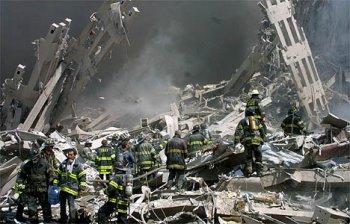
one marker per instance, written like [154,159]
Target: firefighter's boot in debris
[248,169]
[259,167]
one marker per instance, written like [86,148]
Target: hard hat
[196,127]
[49,142]
[104,142]
[204,126]
[88,144]
[255,92]
[178,133]
[293,110]
[33,153]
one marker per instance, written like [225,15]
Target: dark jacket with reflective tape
[104,159]
[36,176]
[71,182]
[145,155]
[176,152]
[254,106]
[293,124]
[249,137]
[116,193]
[195,142]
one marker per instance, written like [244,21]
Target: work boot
[248,169]
[259,167]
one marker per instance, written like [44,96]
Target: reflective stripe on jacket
[104,160]
[253,105]
[248,137]
[195,142]
[71,182]
[176,152]
[294,125]
[145,156]
[116,193]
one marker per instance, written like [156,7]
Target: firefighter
[250,132]
[145,154]
[176,153]
[118,191]
[125,157]
[49,155]
[71,180]
[104,160]
[253,104]
[87,153]
[206,133]
[195,141]
[293,124]
[33,181]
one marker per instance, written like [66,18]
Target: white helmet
[255,92]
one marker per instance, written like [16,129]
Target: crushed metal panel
[335,121]
[298,57]
[325,215]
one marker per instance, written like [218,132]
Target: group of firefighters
[114,162]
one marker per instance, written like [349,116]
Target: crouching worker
[71,180]
[118,191]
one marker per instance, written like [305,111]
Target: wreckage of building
[307,177]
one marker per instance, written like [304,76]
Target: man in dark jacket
[176,152]
[33,180]
[195,141]
[71,179]
[250,133]
[104,160]
[145,155]
[117,201]
[293,124]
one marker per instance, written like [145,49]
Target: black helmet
[249,112]
[293,110]
[204,126]
[104,142]
[196,127]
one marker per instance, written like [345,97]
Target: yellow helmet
[255,92]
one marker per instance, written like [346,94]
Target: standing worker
[250,132]
[71,180]
[176,153]
[253,105]
[145,155]
[104,160]
[293,124]
[206,133]
[195,141]
[33,180]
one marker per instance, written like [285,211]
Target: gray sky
[215,35]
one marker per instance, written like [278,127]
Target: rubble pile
[305,177]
